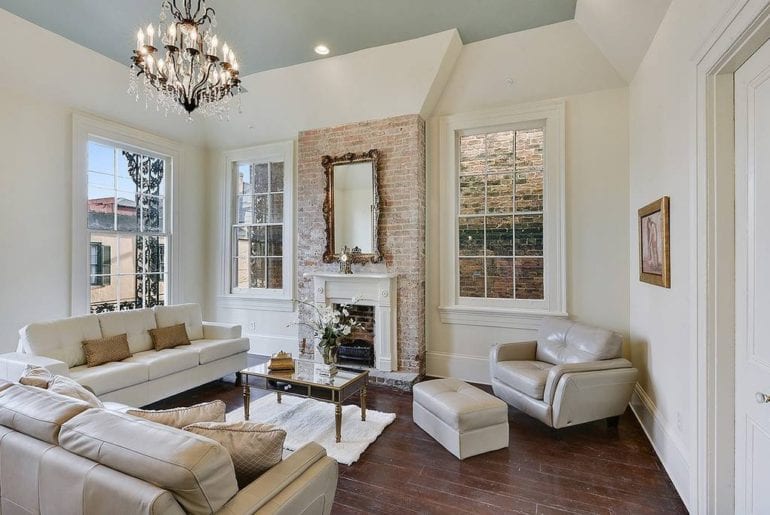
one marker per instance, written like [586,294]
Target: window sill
[495,317]
[255,303]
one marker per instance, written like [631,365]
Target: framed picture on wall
[654,254]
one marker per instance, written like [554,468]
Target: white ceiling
[268,34]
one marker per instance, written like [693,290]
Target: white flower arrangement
[328,325]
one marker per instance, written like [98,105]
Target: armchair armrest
[516,351]
[303,478]
[13,364]
[219,331]
[556,373]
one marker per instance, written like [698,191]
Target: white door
[752,284]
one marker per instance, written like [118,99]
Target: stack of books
[281,361]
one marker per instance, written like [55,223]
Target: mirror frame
[329,163]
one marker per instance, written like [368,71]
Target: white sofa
[148,375]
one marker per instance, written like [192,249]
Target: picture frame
[654,243]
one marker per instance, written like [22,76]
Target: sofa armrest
[516,351]
[13,364]
[219,331]
[308,475]
[556,373]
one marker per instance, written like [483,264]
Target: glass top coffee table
[334,390]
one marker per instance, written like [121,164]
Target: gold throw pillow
[168,337]
[254,447]
[213,411]
[104,350]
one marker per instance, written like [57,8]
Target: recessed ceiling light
[322,50]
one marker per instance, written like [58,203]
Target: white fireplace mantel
[378,290]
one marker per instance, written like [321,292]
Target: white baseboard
[474,369]
[266,345]
[668,447]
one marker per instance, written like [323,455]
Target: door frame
[744,28]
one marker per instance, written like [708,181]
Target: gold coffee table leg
[338,420]
[246,399]
[363,403]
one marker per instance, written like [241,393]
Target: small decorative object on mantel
[329,325]
[281,361]
[654,243]
[346,261]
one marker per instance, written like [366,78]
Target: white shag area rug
[308,420]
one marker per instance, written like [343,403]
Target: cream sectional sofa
[148,375]
[59,455]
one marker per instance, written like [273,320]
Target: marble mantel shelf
[365,275]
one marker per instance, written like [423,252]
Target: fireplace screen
[358,347]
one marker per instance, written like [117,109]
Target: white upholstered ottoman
[462,418]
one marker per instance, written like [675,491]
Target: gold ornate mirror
[352,207]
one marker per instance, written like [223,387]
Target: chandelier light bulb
[214,44]
[172,31]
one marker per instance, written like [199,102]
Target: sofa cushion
[255,448]
[61,339]
[528,377]
[187,314]
[212,350]
[561,341]
[213,411]
[71,388]
[461,406]
[169,337]
[196,470]
[36,412]
[165,362]
[111,376]
[104,350]
[135,323]
[36,376]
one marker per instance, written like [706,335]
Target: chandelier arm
[171,6]
[202,82]
[197,9]
[207,16]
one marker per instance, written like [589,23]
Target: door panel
[752,283]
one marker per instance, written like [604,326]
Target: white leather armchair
[571,374]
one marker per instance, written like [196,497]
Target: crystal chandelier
[190,71]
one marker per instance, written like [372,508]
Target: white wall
[557,61]
[662,160]
[36,106]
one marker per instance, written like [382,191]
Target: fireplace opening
[357,349]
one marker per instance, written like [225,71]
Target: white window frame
[514,313]
[258,298]
[87,127]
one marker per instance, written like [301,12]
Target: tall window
[501,177]
[500,214]
[257,230]
[127,227]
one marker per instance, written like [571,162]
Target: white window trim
[498,312]
[258,299]
[84,127]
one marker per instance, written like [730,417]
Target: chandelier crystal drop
[180,66]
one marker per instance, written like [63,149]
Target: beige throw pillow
[71,388]
[104,350]
[213,411]
[37,376]
[168,337]
[254,447]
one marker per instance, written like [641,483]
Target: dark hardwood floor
[584,469]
